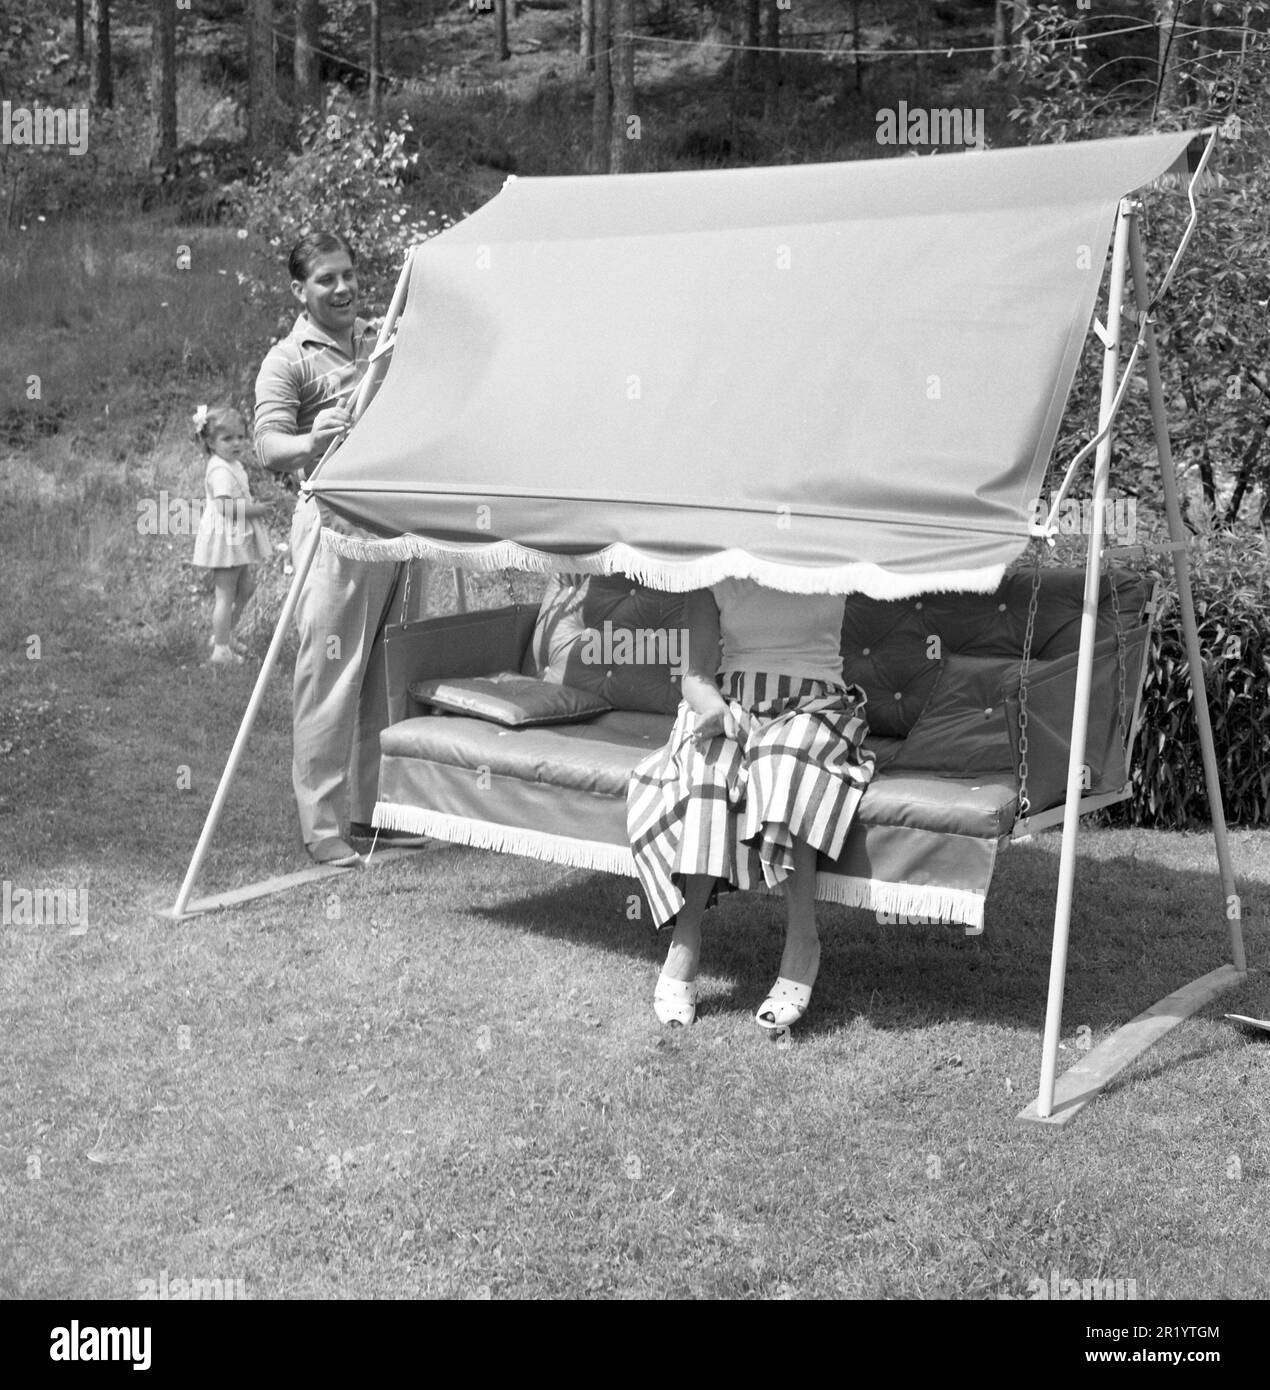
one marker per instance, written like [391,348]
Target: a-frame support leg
[303,564]
[1060,1099]
[1186,606]
[1084,672]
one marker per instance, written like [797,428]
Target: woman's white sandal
[675,1001]
[785,1005]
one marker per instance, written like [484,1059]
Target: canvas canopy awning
[830,378]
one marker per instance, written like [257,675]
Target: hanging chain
[1025,803]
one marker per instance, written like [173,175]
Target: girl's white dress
[225,543]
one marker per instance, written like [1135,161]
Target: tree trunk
[103,88]
[1002,36]
[1194,50]
[309,94]
[1208,483]
[921,35]
[502,50]
[734,102]
[602,107]
[586,33]
[625,122]
[261,92]
[855,45]
[1007,23]
[771,60]
[376,64]
[1175,49]
[162,84]
[753,35]
[1247,471]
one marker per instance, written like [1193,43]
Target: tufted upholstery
[887,650]
[887,647]
[576,619]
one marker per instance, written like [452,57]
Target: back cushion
[962,731]
[893,650]
[620,640]
[1051,694]
[612,637]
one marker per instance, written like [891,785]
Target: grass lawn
[442,1076]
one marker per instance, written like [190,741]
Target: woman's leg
[685,944]
[801,958]
[223,607]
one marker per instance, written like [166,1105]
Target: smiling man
[304,392]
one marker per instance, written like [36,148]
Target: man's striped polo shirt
[304,374]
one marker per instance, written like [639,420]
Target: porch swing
[558,403]
[971,748]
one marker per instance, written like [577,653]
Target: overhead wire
[871,54]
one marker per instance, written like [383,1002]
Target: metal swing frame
[1059,1098]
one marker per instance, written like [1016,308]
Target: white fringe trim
[536,844]
[676,577]
[900,899]
[927,901]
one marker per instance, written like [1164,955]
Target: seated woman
[764,768]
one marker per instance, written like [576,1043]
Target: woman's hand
[718,721]
[713,714]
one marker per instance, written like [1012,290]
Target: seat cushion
[597,756]
[982,807]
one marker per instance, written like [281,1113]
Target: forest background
[146,274]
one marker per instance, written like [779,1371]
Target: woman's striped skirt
[732,808]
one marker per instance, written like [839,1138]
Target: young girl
[231,536]
[764,769]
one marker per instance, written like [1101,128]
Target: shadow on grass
[1140,929]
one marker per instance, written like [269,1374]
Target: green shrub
[1213,329]
[348,177]
[1230,578]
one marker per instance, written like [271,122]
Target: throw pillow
[510,699]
